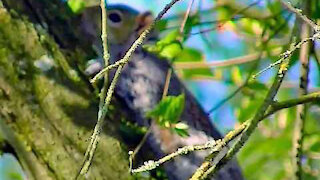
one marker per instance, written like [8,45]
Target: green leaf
[169,38]
[171,51]
[274,7]
[76,5]
[161,25]
[191,21]
[168,110]
[168,47]
[193,55]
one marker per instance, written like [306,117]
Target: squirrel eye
[115,17]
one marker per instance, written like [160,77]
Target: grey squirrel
[141,85]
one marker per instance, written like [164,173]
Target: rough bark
[46,115]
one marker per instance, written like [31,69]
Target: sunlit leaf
[168,112]
[171,51]
[181,125]
[168,47]
[181,129]
[169,38]
[76,5]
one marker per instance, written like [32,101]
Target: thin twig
[88,157]
[106,55]
[98,127]
[299,14]
[186,16]
[167,83]
[180,38]
[205,166]
[298,133]
[224,63]
[213,145]
[276,106]
[259,56]
[288,53]
[141,143]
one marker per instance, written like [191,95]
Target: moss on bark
[46,110]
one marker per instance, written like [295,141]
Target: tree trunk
[47,110]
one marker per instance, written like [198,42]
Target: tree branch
[252,124]
[214,146]
[299,14]
[298,132]
[224,63]
[313,97]
[106,55]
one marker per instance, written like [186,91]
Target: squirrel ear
[144,20]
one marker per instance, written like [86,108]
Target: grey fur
[140,88]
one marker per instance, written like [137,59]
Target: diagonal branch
[209,169]
[204,172]
[214,146]
[299,14]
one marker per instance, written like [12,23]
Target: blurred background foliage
[224,43]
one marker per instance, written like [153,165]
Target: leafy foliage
[168,47]
[171,49]
[167,114]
